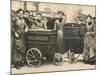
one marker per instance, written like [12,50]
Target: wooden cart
[39,44]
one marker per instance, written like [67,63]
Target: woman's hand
[26,29]
[16,35]
[90,33]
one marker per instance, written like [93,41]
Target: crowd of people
[22,21]
[38,20]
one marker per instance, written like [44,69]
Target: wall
[71,11]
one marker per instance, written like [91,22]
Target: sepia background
[5,37]
[71,11]
[48,9]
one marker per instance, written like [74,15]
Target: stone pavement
[48,67]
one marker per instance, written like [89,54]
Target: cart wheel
[33,57]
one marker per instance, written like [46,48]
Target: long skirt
[19,50]
[89,48]
[60,41]
[12,49]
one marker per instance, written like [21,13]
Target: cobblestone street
[48,67]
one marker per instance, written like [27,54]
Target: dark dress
[50,23]
[12,38]
[19,42]
[28,22]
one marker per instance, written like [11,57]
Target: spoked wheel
[33,57]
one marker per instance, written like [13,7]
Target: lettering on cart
[38,38]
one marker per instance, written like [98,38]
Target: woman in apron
[19,40]
[12,36]
[89,52]
[59,23]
